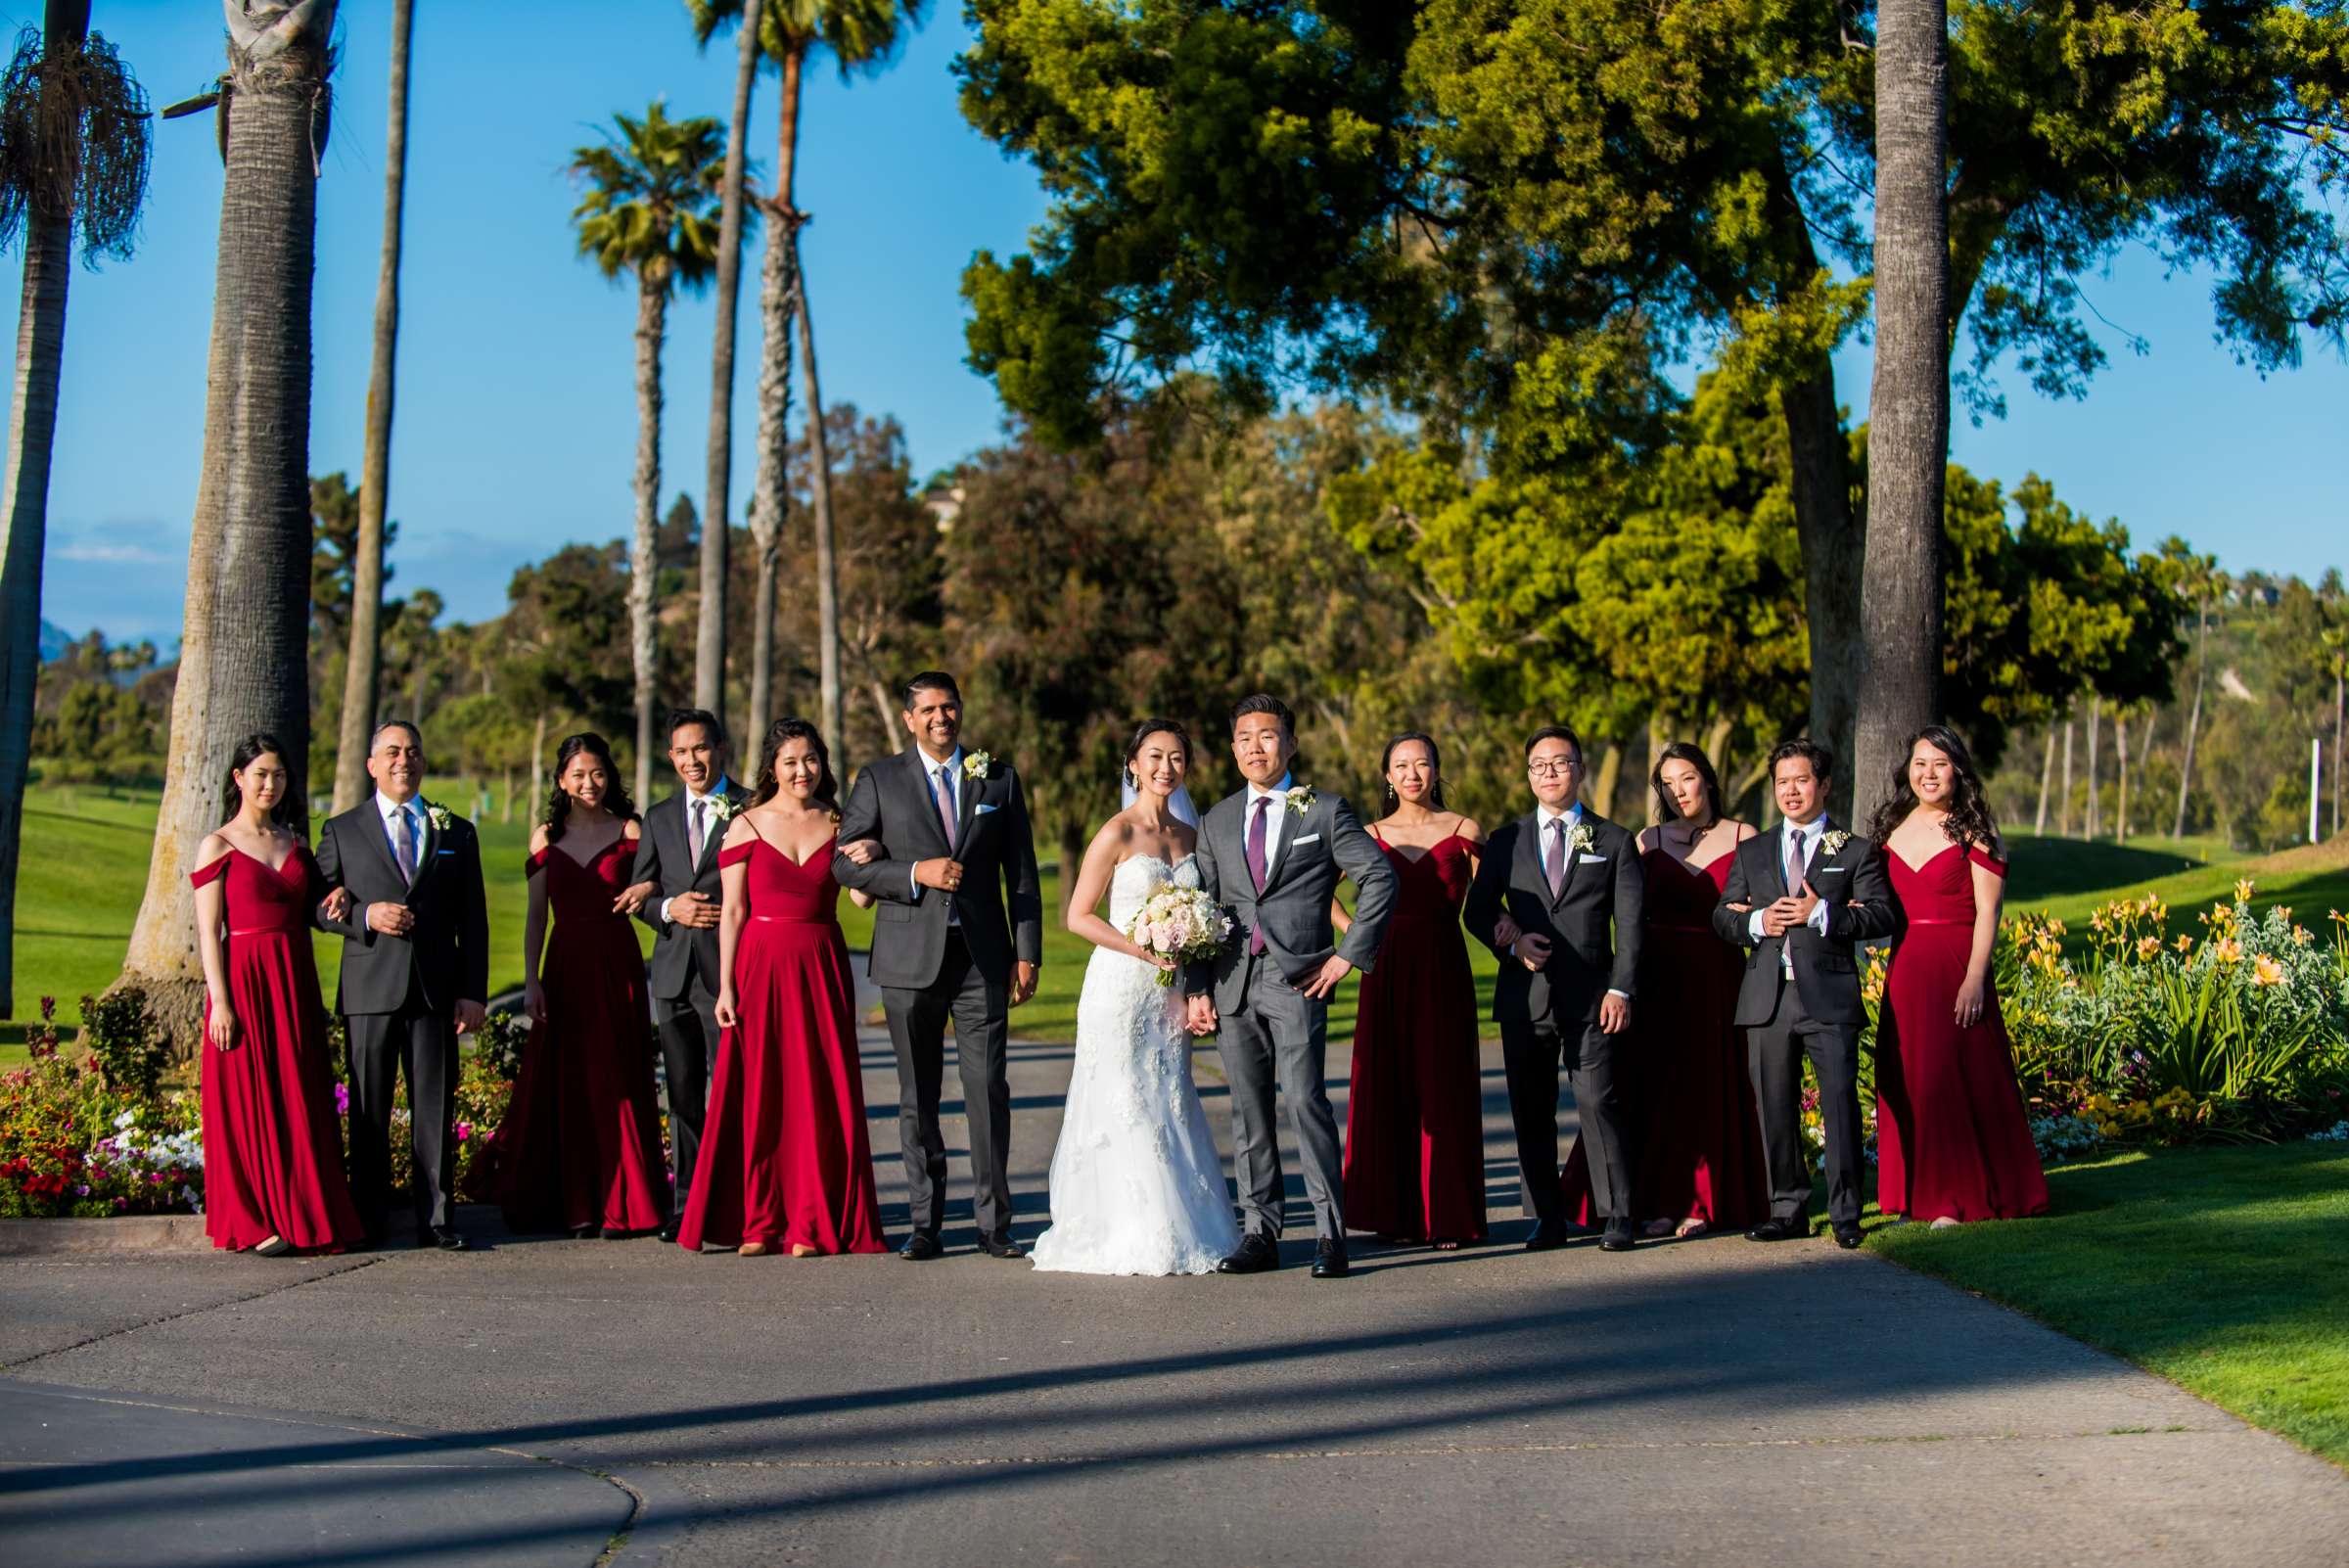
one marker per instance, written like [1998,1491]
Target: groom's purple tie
[1255,867]
[1553,864]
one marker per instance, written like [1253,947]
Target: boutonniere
[975,764]
[1833,838]
[440,816]
[1580,838]
[723,807]
[1300,798]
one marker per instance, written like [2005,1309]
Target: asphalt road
[547,1401]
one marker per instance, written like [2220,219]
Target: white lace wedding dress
[1138,1187]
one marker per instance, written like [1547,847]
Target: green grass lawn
[2219,1269]
[2069,880]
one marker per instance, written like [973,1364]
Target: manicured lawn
[2061,877]
[2219,1269]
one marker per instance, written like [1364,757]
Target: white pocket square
[981,808]
[1832,871]
[1590,859]
[1307,838]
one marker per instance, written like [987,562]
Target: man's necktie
[946,803]
[1553,864]
[1794,862]
[405,841]
[693,834]
[1256,866]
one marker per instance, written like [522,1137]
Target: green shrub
[124,1042]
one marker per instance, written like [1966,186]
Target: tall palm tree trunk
[710,639]
[2047,772]
[25,529]
[819,488]
[243,655]
[2120,763]
[2194,718]
[1909,409]
[363,671]
[2063,808]
[2096,728]
[1832,533]
[652,323]
[778,308]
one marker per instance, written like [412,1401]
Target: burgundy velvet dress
[1953,1137]
[1697,1148]
[786,1159]
[1415,1112]
[580,1144]
[272,1143]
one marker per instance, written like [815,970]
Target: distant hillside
[53,640]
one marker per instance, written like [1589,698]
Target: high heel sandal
[801,1249]
[271,1246]
[753,1249]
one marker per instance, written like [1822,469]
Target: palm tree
[73,157]
[648,212]
[861,35]
[2202,581]
[243,664]
[1909,409]
[363,671]
[709,640]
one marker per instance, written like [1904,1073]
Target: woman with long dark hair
[786,1162]
[1953,1138]
[1697,1162]
[272,1152]
[1415,1110]
[579,1149]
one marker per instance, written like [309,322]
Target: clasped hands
[1784,914]
[1532,950]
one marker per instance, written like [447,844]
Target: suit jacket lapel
[370,824]
[966,808]
[1529,856]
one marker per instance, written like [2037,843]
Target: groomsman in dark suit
[1557,898]
[956,846]
[679,856]
[415,975]
[1802,900]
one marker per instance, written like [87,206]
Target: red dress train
[786,1159]
[1415,1110]
[272,1142]
[1953,1137]
[580,1144]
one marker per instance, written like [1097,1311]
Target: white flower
[1300,798]
[440,816]
[1834,840]
[128,1118]
[976,764]
[723,807]
[1581,839]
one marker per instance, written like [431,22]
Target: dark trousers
[1775,1053]
[421,1041]
[688,1042]
[1533,1052]
[1280,1034]
[917,1029]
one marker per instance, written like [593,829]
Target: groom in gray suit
[1273,854]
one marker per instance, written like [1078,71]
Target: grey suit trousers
[1775,1054]
[1280,1034]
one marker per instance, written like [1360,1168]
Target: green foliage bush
[128,1048]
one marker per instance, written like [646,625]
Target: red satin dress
[786,1159]
[1415,1112]
[1953,1137]
[272,1142]
[580,1144]
[1697,1148]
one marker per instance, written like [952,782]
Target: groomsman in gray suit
[1271,854]
[678,854]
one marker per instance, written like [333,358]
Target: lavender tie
[693,835]
[1553,864]
[406,842]
[1255,867]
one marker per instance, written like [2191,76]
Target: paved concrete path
[1709,1401]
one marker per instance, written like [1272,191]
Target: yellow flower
[2185,943]
[2229,950]
[2148,947]
[2302,936]
[2242,890]
[2267,971]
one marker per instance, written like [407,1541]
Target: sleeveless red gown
[272,1143]
[1697,1148]
[786,1159]
[1415,1113]
[580,1144]
[1953,1137]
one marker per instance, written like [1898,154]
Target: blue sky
[516,421]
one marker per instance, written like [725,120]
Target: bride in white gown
[1138,1186]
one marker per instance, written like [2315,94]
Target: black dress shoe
[921,1247]
[1001,1247]
[583,1232]
[1547,1234]
[671,1231]
[1256,1254]
[1848,1235]
[1775,1228]
[1329,1259]
[1618,1238]
[449,1240]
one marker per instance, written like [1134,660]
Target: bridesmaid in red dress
[272,1146]
[579,1149]
[1953,1138]
[1697,1159]
[786,1163]
[1415,1112]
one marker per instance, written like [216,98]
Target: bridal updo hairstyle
[1142,732]
[1668,810]
[781,733]
[1968,822]
[286,814]
[616,791]
[1435,760]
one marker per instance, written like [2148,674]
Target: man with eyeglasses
[1557,898]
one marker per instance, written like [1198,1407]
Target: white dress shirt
[710,824]
[420,827]
[1572,817]
[1808,834]
[956,784]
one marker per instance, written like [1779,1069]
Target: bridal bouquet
[1184,924]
